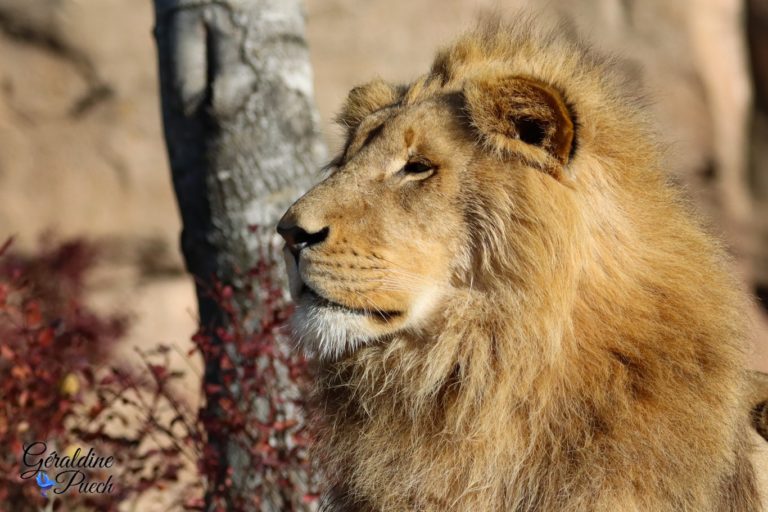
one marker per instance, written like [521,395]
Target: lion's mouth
[324,302]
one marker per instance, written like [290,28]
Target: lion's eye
[417,167]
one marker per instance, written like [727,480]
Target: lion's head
[441,186]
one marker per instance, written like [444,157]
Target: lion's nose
[297,238]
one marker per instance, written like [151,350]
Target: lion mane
[591,354]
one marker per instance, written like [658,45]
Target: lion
[508,306]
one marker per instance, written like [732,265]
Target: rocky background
[82,155]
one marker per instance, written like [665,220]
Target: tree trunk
[242,136]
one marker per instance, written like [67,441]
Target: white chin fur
[322,332]
[326,333]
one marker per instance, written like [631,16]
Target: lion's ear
[524,116]
[366,99]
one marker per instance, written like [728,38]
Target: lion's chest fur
[563,442]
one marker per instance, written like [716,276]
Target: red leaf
[32,316]
[283,425]
[200,337]
[226,363]
[20,372]
[159,371]
[213,389]
[45,337]
[6,352]
[310,498]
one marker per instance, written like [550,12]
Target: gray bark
[242,136]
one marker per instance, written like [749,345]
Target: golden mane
[593,358]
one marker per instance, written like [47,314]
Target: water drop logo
[44,482]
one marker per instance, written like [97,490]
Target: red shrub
[49,343]
[256,405]
[57,387]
